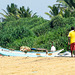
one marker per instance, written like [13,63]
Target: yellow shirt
[72,36]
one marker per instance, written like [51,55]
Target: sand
[37,65]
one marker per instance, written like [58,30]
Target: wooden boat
[7,52]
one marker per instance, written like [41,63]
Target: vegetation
[14,12]
[54,11]
[20,28]
[36,32]
[65,8]
[70,3]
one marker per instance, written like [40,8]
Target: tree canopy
[13,11]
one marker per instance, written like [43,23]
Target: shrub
[41,29]
[56,21]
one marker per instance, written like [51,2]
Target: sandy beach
[37,65]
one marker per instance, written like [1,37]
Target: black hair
[72,28]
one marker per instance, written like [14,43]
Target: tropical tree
[14,12]
[65,8]
[54,11]
[70,3]
[12,8]
[11,11]
[25,12]
[69,7]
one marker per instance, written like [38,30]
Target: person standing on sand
[71,40]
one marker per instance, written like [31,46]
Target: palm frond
[50,7]
[5,12]
[48,14]
[3,15]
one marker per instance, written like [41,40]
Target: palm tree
[54,11]
[12,8]
[26,12]
[69,9]
[13,11]
[69,3]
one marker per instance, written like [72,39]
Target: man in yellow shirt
[71,40]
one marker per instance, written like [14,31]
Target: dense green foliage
[36,32]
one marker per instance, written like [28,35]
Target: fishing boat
[8,52]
